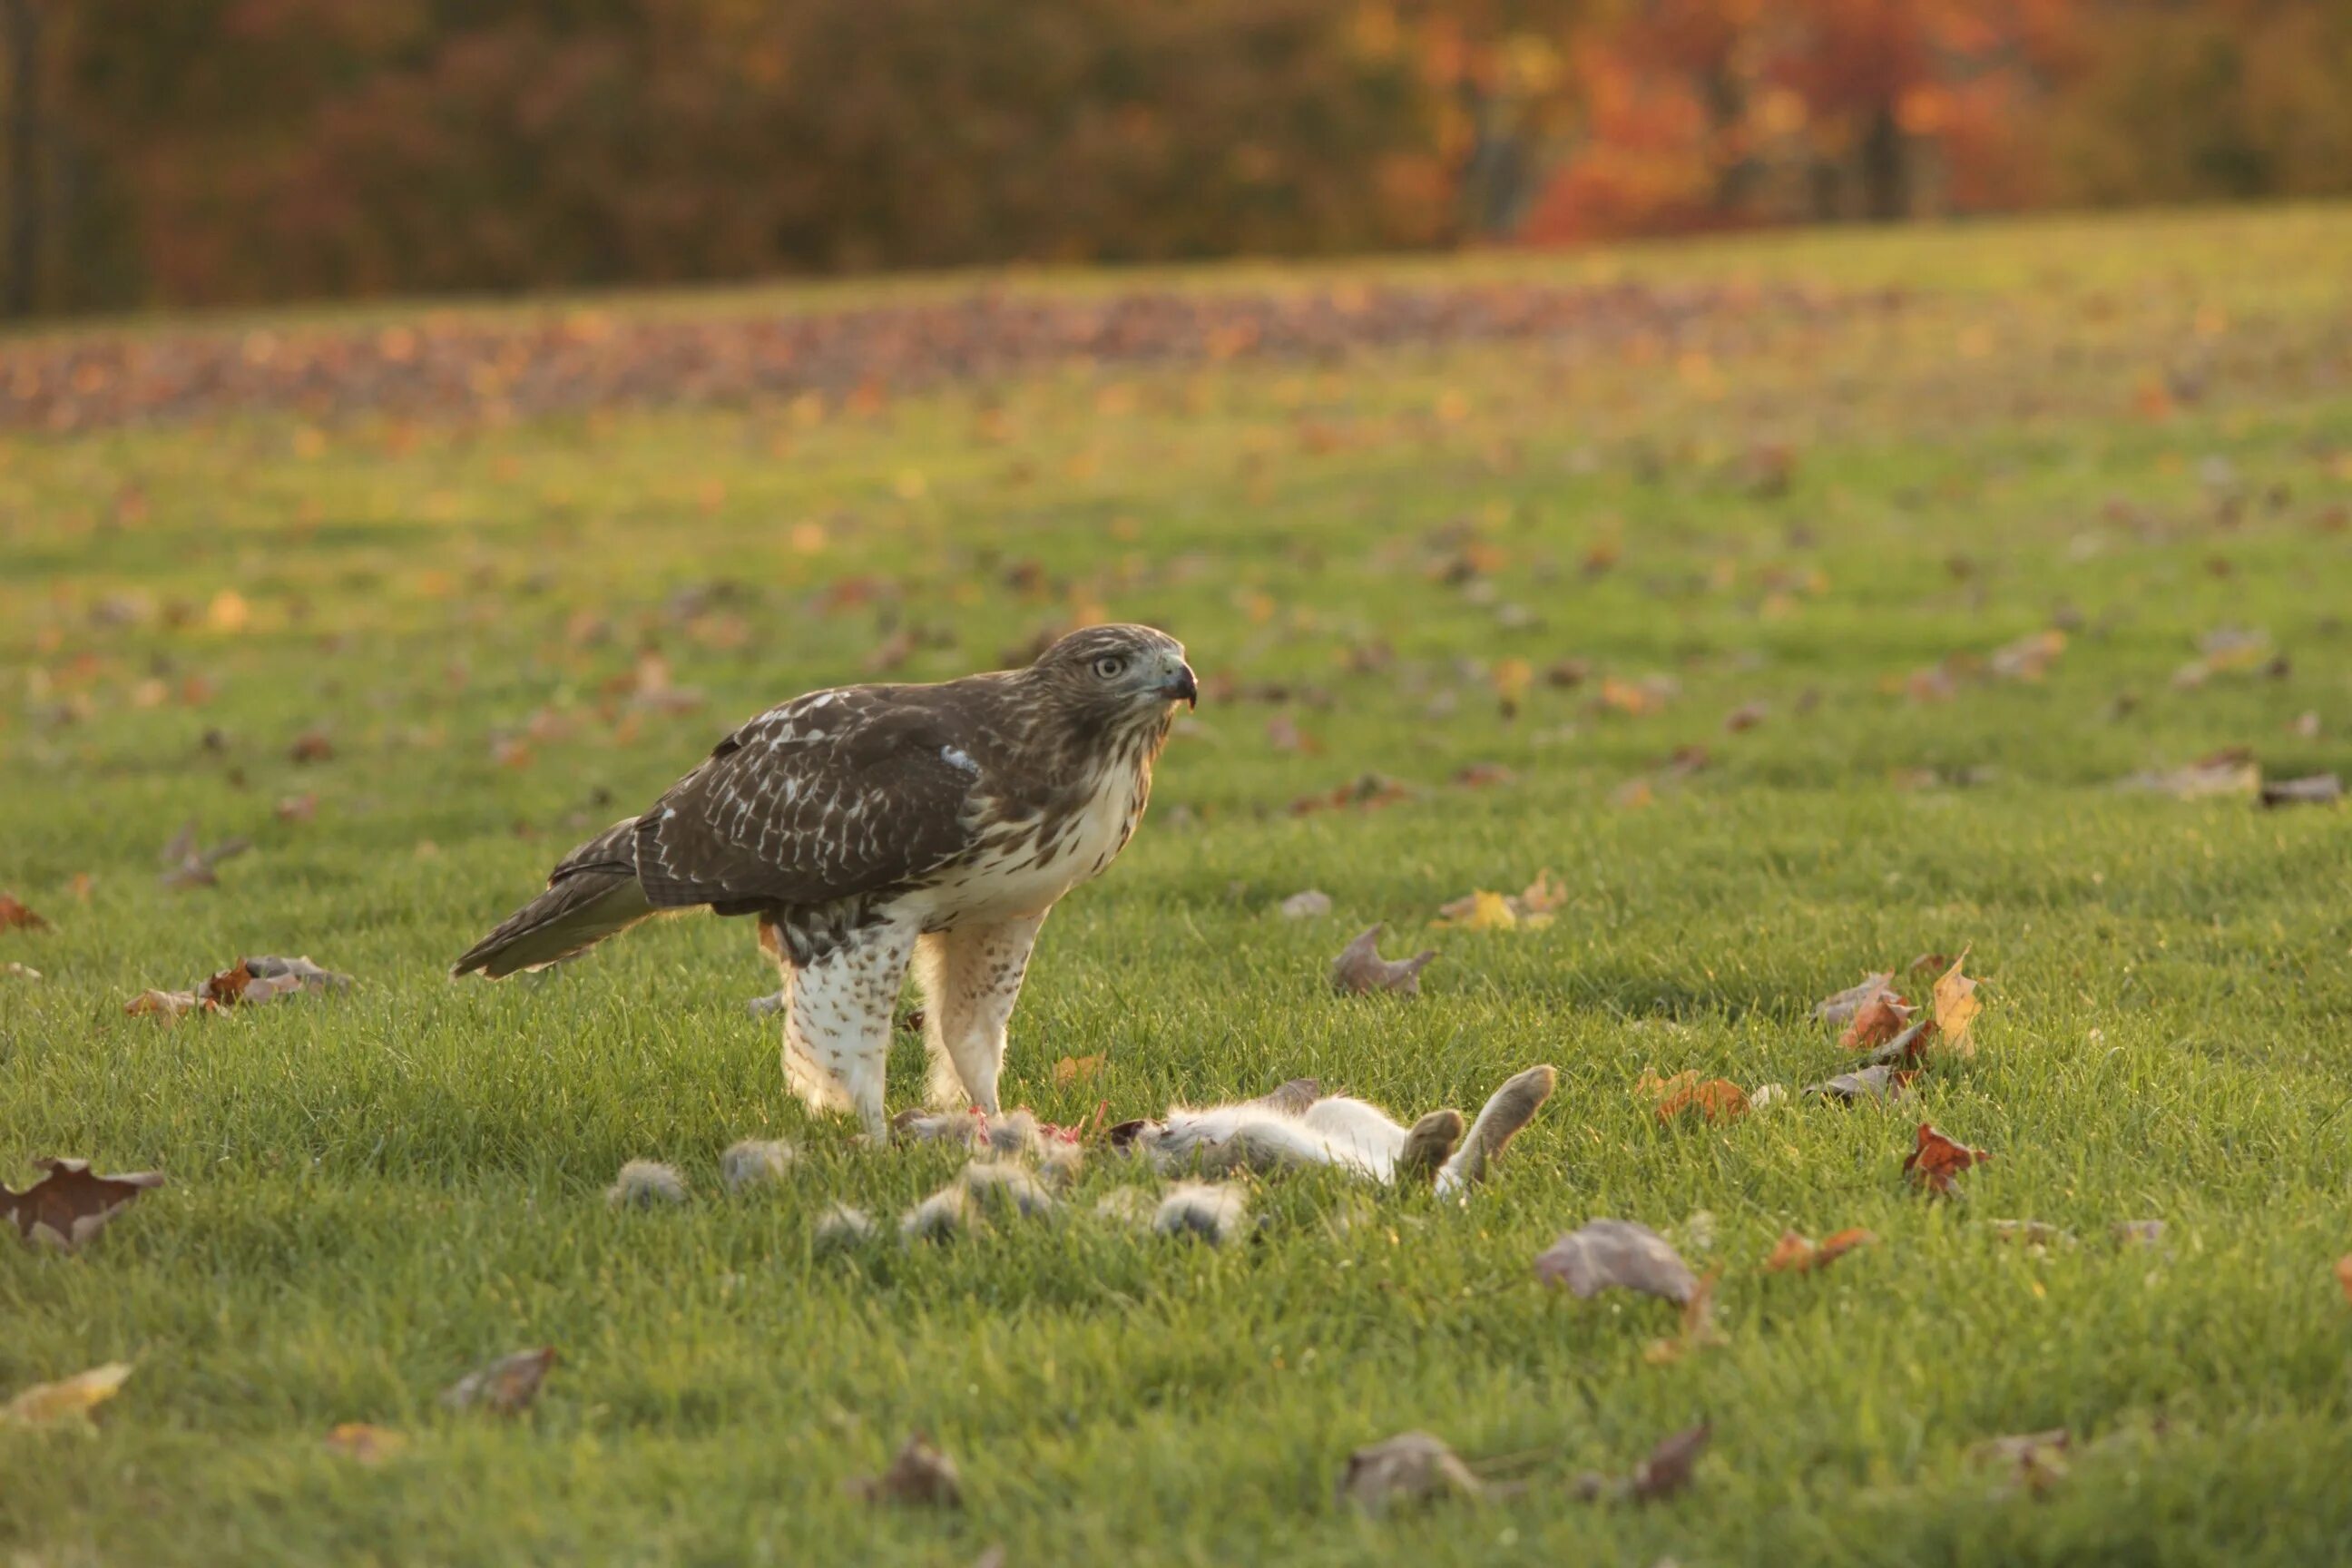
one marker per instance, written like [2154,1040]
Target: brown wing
[832,795]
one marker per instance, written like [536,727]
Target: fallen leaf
[1410,1468]
[68,1399]
[68,1207]
[366,1445]
[1881,1082]
[1311,904]
[1841,1007]
[1716,1100]
[2319,789]
[1796,1255]
[15,916]
[167,1005]
[2223,772]
[1531,907]
[1360,969]
[2344,1274]
[1617,1253]
[1668,1469]
[505,1386]
[2038,1458]
[186,866]
[1077,1069]
[2029,657]
[1956,1007]
[1937,1159]
[1697,1332]
[2148,1232]
[1906,1048]
[312,746]
[1875,1021]
[919,1475]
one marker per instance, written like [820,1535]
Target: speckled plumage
[870,825]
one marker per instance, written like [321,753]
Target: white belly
[1001,884]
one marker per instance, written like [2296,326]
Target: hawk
[869,826]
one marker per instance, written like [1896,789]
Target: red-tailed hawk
[872,823]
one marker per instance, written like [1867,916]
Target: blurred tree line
[209,151]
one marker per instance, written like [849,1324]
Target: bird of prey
[869,825]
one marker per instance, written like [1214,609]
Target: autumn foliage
[226,150]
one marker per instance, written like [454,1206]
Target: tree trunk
[22,23]
[1885,169]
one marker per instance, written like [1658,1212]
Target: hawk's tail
[592,894]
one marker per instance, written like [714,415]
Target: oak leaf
[1360,969]
[920,1475]
[1936,1159]
[1617,1253]
[68,1399]
[505,1386]
[1796,1255]
[68,1207]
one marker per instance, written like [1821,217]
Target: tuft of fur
[1001,1187]
[1211,1210]
[1059,1161]
[755,1163]
[946,1213]
[842,1228]
[645,1184]
[1133,1206]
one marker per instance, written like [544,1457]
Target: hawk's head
[1115,677]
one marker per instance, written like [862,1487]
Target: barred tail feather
[593,893]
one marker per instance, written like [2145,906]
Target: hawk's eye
[1110,666]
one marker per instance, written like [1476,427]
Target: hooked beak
[1183,687]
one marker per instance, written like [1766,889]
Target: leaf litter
[70,1205]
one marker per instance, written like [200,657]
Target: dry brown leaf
[1956,1006]
[1796,1255]
[2344,1274]
[2224,772]
[68,1207]
[1668,1469]
[919,1475]
[366,1445]
[1841,1007]
[1360,969]
[186,866]
[166,1005]
[68,1399]
[505,1386]
[1936,1159]
[15,916]
[1410,1468]
[1875,1021]
[2037,1459]
[1617,1253]
[1881,1082]
[2319,789]
[1071,1071]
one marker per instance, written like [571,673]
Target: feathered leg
[970,978]
[837,1022]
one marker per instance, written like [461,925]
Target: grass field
[2136,432]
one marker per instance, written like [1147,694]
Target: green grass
[369,1194]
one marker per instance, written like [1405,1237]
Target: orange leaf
[1937,1159]
[1795,1254]
[1077,1069]
[15,916]
[2344,1274]
[1875,1021]
[1717,1099]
